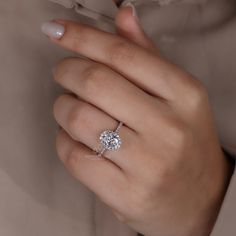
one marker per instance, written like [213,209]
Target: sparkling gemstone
[110,140]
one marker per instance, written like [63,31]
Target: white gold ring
[110,140]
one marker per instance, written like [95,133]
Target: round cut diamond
[110,140]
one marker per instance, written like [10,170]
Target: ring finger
[84,123]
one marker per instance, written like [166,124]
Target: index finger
[142,67]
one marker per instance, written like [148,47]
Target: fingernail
[53,29]
[129,4]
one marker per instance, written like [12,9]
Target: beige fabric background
[37,196]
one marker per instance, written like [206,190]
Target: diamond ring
[110,140]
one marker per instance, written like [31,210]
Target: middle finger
[107,90]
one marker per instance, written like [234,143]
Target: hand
[170,175]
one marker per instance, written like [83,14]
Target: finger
[128,26]
[107,90]
[78,118]
[142,67]
[99,174]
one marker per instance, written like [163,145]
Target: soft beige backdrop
[37,196]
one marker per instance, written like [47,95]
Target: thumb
[128,26]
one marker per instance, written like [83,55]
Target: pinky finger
[100,175]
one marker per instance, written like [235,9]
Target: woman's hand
[170,175]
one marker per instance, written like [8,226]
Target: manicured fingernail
[129,4]
[53,29]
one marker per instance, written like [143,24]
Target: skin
[170,175]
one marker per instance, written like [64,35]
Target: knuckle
[62,68]
[93,79]
[178,134]
[79,37]
[121,51]
[198,94]
[73,119]
[180,137]
[76,119]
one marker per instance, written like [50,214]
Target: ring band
[110,140]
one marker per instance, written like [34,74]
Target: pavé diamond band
[110,140]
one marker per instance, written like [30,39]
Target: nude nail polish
[53,29]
